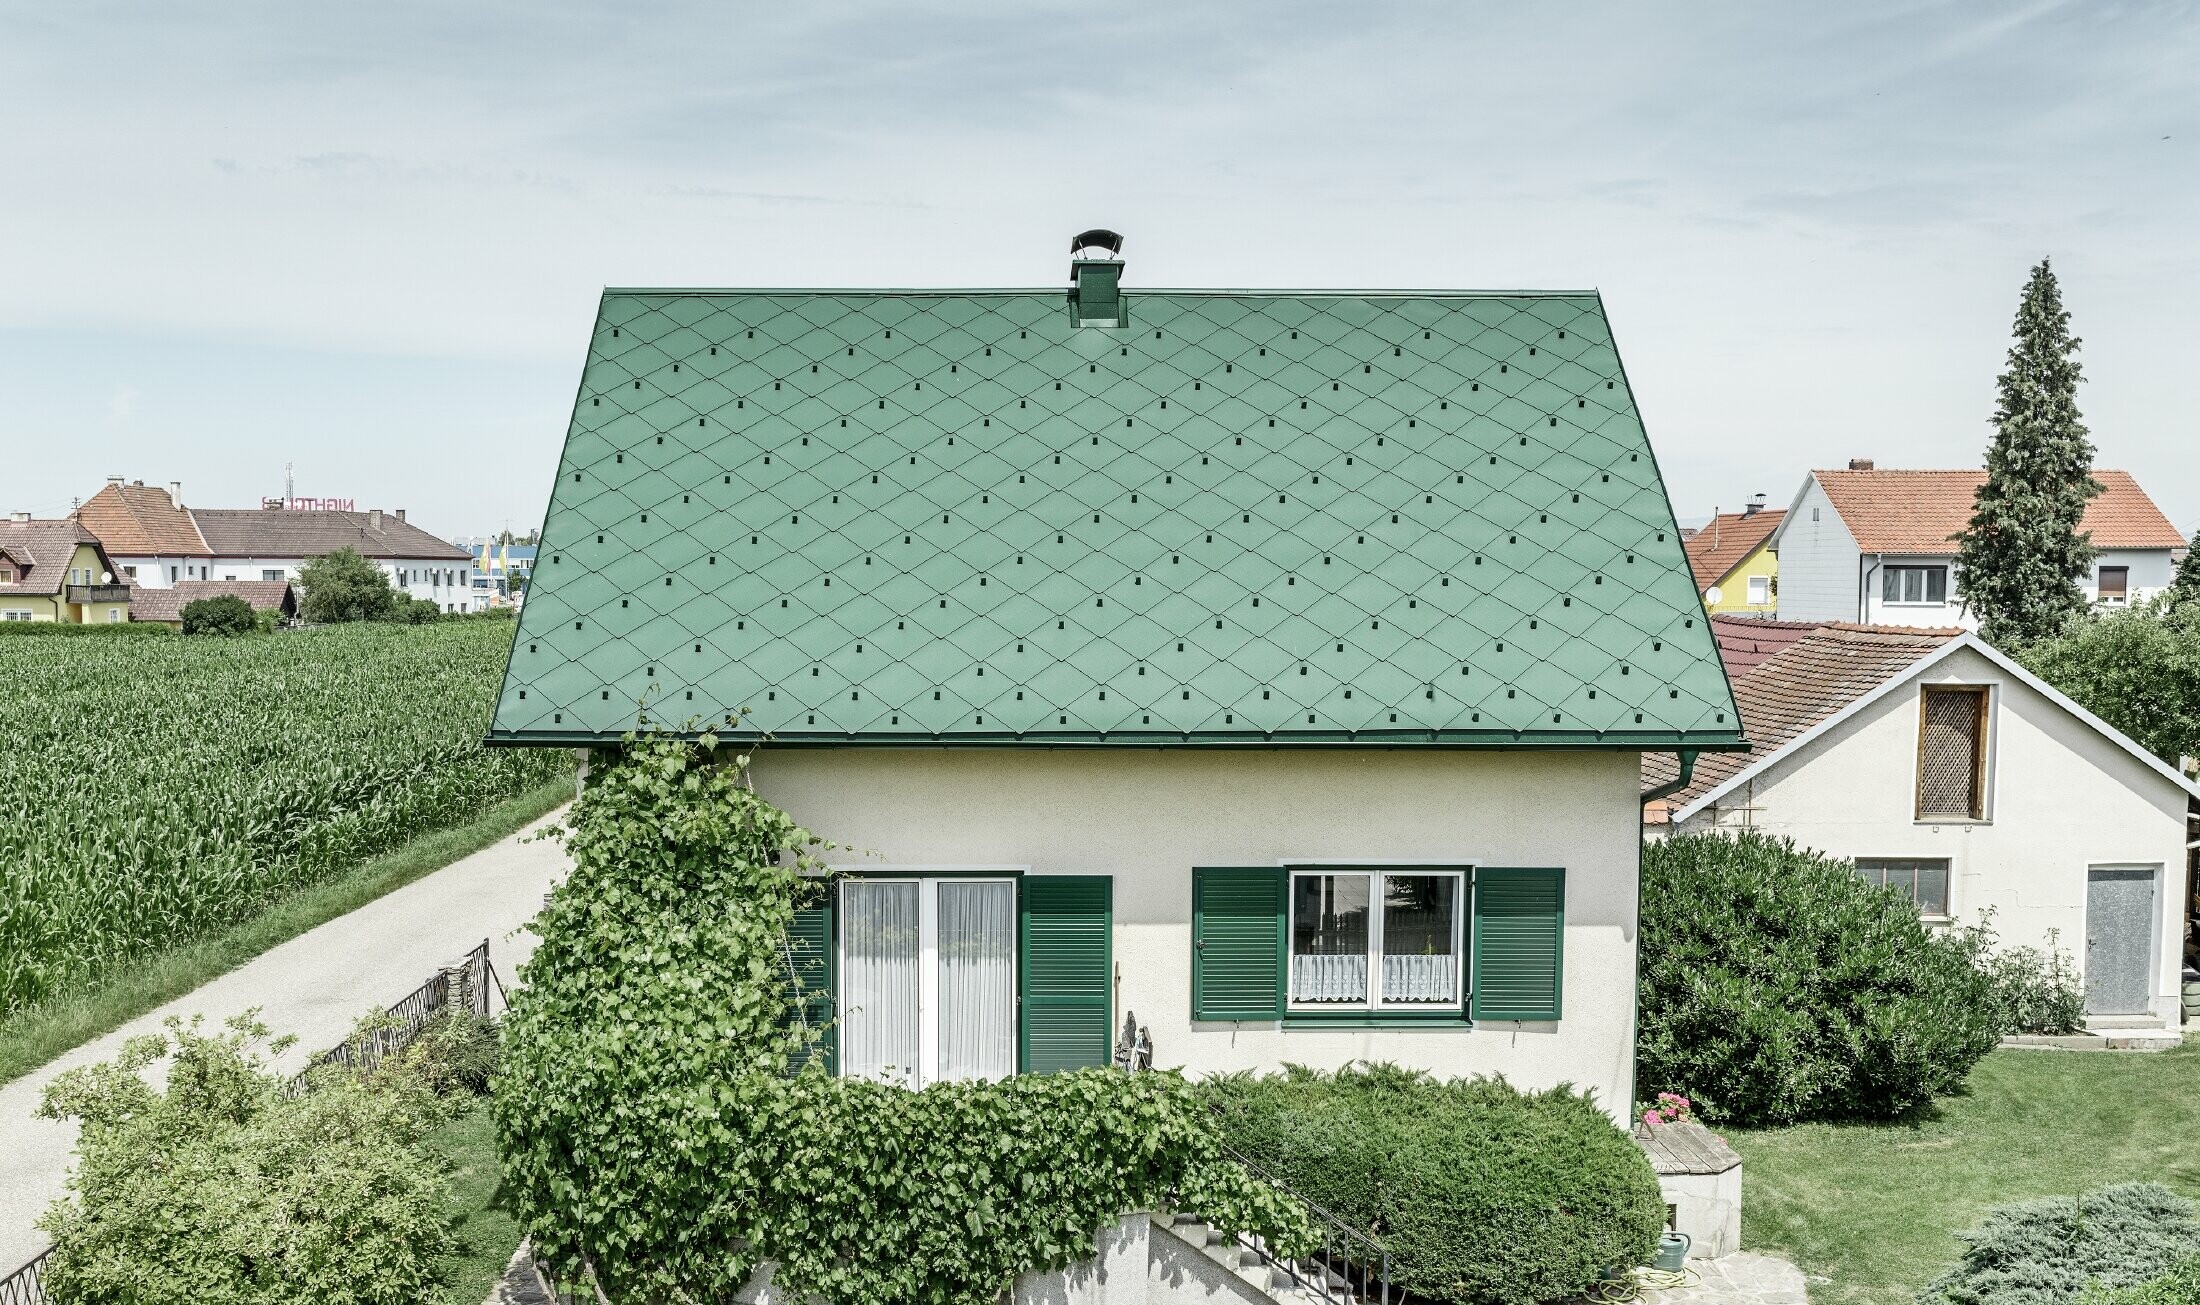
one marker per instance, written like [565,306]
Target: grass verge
[1875,1208]
[32,1037]
[487,1232]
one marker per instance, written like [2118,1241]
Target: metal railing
[1347,1266]
[472,984]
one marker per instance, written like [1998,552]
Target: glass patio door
[928,979]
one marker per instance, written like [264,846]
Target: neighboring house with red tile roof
[1730,557]
[1878,545]
[1745,641]
[166,605]
[1950,773]
[157,542]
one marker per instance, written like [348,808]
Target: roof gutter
[1687,758]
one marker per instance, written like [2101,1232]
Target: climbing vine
[655,1140]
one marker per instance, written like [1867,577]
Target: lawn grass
[1874,1208]
[32,1037]
[487,1232]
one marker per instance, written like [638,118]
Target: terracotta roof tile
[1802,684]
[1906,511]
[1744,641]
[140,520]
[46,546]
[148,604]
[280,532]
[1719,547]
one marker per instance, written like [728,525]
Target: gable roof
[47,547]
[289,532]
[148,604]
[1823,709]
[1243,518]
[1725,543]
[1907,511]
[1745,641]
[140,520]
[1783,695]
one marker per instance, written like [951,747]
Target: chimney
[400,514]
[175,492]
[1860,464]
[374,519]
[1096,296]
[20,516]
[116,481]
[1755,505]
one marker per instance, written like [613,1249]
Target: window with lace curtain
[1951,753]
[1371,940]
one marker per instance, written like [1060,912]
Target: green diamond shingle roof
[921,516]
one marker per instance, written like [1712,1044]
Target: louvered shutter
[1066,968]
[810,979]
[1237,943]
[1519,943]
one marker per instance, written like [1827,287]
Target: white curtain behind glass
[977,943]
[878,933]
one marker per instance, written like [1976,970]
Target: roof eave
[1488,740]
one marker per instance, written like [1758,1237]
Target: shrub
[2046,1252]
[1479,1191]
[655,1139]
[222,1188]
[343,586]
[223,614]
[2138,669]
[2180,1286]
[1777,985]
[416,611]
[2036,990]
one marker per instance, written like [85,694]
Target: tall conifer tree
[2022,555]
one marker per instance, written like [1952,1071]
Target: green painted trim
[1281,883]
[1463,740]
[1105,1048]
[1478,953]
[667,292]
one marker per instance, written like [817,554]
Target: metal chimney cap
[1097,238]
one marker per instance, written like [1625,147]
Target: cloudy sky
[368,239]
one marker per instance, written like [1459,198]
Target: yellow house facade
[1732,558]
[57,571]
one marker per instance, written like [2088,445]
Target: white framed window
[927,984]
[271,573]
[14,614]
[1914,584]
[1924,880]
[1760,590]
[114,615]
[2115,585]
[1389,939]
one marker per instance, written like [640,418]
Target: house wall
[2062,798]
[1148,815]
[1817,560]
[2152,571]
[446,583]
[1734,589]
[1944,615]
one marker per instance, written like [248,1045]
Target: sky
[367,240]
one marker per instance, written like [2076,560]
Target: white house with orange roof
[1878,546]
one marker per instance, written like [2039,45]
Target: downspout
[1864,586]
[1687,758]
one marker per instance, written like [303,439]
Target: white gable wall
[1148,815]
[2062,797]
[1818,560]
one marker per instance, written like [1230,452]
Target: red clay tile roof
[1899,511]
[167,604]
[1745,641]
[47,546]
[1800,685]
[1719,547]
[140,520]
[280,532]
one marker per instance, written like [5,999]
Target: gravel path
[316,986]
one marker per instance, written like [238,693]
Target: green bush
[1777,985]
[2036,990]
[223,1188]
[2180,1286]
[1480,1192]
[222,614]
[654,1137]
[2138,669]
[2047,1252]
[417,611]
[343,586]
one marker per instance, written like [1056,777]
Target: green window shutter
[1066,972]
[810,977]
[1237,943]
[1519,943]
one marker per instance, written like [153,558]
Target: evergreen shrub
[1479,1191]
[2049,1251]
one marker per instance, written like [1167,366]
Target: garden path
[316,986]
[1744,1278]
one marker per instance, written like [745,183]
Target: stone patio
[1744,1278]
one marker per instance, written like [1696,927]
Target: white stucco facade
[1147,816]
[2064,800]
[447,584]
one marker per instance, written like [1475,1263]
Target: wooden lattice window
[1951,754]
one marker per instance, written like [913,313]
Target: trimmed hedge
[1777,986]
[1479,1191]
[2047,1252]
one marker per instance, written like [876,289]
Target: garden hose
[1631,1286]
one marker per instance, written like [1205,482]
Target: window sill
[1386,1019]
[1952,820]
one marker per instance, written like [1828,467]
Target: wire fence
[472,985]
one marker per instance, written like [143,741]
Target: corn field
[154,790]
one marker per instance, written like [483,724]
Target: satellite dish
[1712,596]
[106,577]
